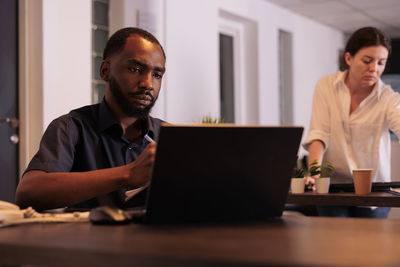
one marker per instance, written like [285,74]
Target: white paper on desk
[397,190]
[29,215]
[131,193]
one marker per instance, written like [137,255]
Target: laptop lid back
[221,172]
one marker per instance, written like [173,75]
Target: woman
[352,113]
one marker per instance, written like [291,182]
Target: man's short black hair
[117,41]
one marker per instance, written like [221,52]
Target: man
[90,156]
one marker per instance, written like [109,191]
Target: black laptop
[221,172]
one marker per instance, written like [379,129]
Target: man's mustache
[143,92]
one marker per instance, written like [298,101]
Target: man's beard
[131,110]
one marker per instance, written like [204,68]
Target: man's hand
[141,168]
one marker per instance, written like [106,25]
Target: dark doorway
[226,70]
[285,78]
[8,99]
[393,63]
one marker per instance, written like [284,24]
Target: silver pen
[148,138]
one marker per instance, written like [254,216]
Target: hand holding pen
[148,138]
[141,168]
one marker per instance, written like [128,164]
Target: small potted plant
[322,174]
[211,120]
[297,182]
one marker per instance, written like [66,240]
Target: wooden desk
[290,241]
[379,199]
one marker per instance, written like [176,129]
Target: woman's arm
[315,152]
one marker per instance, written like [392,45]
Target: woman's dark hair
[364,37]
[117,41]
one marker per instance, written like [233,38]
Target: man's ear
[348,58]
[105,70]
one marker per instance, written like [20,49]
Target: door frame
[235,30]
[30,27]
[245,53]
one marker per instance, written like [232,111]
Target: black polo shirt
[87,139]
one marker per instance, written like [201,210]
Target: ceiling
[349,15]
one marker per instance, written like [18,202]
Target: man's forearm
[42,190]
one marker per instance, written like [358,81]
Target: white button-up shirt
[360,139]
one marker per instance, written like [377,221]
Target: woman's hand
[310,183]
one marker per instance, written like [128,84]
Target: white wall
[193,61]
[192,50]
[66,56]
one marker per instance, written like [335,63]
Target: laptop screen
[221,172]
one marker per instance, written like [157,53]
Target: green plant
[299,172]
[326,169]
[209,119]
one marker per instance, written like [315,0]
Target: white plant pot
[322,184]
[297,185]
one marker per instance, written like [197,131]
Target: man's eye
[157,75]
[135,69]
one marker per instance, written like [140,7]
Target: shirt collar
[107,120]
[379,87]
[339,83]
[151,128]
